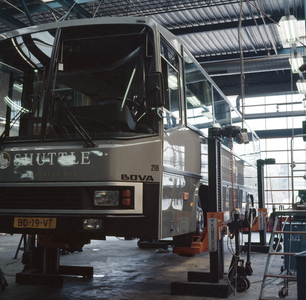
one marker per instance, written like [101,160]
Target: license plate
[44,223]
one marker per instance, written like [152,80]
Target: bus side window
[199,101]
[171,84]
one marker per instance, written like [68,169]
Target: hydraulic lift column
[213,283]
[215,204]
[261,202]
[262,246]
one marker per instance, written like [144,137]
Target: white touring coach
[105,132]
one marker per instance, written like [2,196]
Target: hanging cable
[232,174]
[68,12]
[269,17]
[232,235]
[14,6]
[97,8]
[242,77]
[263,12]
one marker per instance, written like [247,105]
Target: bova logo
[5,160]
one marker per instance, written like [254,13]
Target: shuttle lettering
[49,158]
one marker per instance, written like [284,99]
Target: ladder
[286,274]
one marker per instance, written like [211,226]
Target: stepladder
[280,279]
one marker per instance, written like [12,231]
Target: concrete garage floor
[123,271]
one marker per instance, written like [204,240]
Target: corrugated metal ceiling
[176,16]
[209,27]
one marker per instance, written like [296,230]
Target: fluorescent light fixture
[27,59]
[15,106]
[289,29]
[301,86]
[296,61]
[194,101]
[172,82]
[18,87]
[207,114]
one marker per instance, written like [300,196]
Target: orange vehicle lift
[215,283]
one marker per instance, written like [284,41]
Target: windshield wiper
[128,88]
[78,127]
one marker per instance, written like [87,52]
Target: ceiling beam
[214,27]
[226,25]
[251,65]
[10,21]
[45,5]
[27,12]
[220,58]
[278,133]
[258,83]
[76,8]
[273,115]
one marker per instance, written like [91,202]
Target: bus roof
[83,22]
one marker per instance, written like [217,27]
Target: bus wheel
[184,240]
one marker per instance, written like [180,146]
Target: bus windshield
[95,84]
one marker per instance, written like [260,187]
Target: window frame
[165,61]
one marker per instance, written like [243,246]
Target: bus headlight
[106,198]
[92,224]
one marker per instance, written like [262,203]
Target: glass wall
[283,113]
[207,107]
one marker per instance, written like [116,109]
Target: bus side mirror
[154,89]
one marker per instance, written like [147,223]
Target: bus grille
[41,198]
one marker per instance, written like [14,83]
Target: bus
[104,132]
